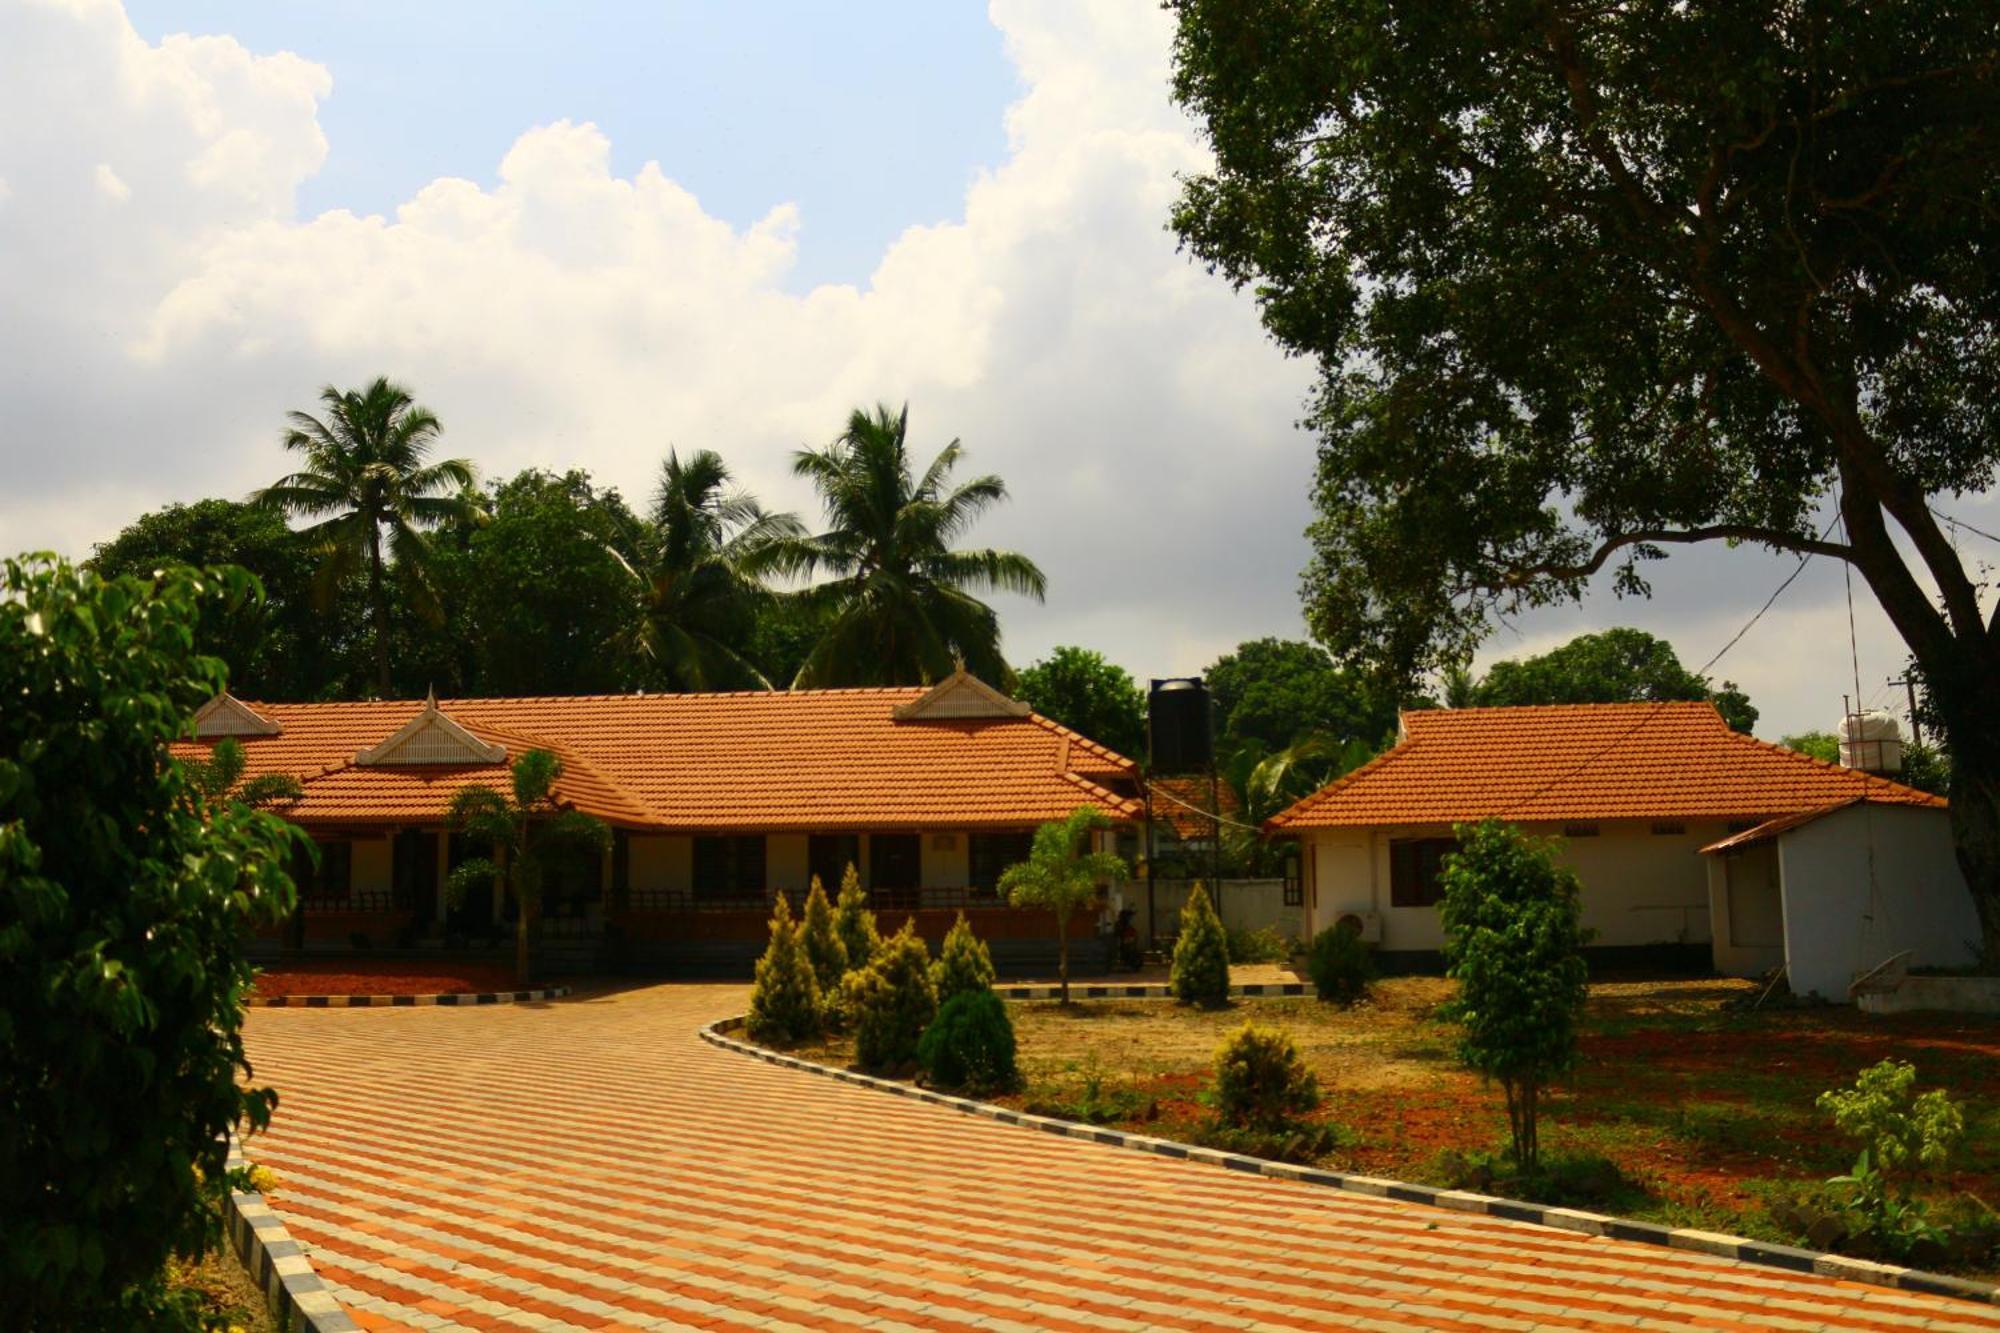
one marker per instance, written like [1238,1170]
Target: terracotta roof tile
[1172,797]
[1582,762]
[769,761]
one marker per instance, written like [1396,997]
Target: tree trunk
[1062,953]
[378,606]
[1974,736]
[521,959]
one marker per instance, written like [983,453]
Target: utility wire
[1660,705]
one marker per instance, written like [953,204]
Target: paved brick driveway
[591,1164]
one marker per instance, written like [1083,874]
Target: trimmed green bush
[963,964]
[127,889]
[854,921]
[1260,1081]
[891,1002]
[820,936]
[1201,955]
[970,1045]
[785,1000]
[1266,944]
[1340,964]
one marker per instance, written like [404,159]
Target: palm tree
[523,829]
[700,600]
[365,473]
[898,599]
[1061,874]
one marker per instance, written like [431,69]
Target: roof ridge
[1074,736]
[1866,778]
[1123,805]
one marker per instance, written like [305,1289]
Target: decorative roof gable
[226,715]
[431,738]
[960,697]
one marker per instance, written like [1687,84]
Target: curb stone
[404,1001]
[278,1264]
[1740,1248]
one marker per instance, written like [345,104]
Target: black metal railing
[880,900]
[353,900]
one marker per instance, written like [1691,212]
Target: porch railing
[880,900]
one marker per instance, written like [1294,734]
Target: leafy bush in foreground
[126,892]
[1340,964]
[1200,972]
[891,1002]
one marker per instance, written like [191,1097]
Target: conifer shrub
[970,1045]
[1340,964]
[820,936]
[854,921]
[963,964]
[1201,955]
[891,1001]
[1261,1083]
[785,1000]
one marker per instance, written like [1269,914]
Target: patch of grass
[223,1291]
[1082,1094]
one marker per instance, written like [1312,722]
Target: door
[1756,903]
[414,874]
[894,866]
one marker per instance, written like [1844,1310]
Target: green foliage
[284,646]
[1341,965]
[964,965]
[537,596]
[785,996]
[699,574]
[1062,874]
[1925,767]
[891,1002]
[970,1045]
[1566,1180]
[1078,688]
[221,775]
[1093,1100]
[1585,286]
[1513,942]
[1266,944]
[1260,1080]
[371,492]
[524,830]
[819,934]
[1821,745]
[1903,1133]
[126,891]
[1200,973]
[897,598]
[1277,692]
[1611,667]
[854,921]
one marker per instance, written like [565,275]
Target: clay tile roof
[1183,804]
[769,762]
[1582,762]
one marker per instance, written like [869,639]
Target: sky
[586,234]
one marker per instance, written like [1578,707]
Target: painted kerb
[278,1265]
[1566,1219]
[404,1001]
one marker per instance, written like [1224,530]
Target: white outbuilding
[1691,841]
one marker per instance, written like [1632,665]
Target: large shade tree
[699,573]
[371,490]
[1587,282]
[1616,666]
[897,594]
[1080,689]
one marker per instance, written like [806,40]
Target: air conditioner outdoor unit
[1368,925]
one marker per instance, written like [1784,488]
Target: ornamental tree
[1062,875]
[1513,940]
[963,964]
[785,997]
[127,888]
[1589,282]
[854,921]
[1200,973]
[524,828]
[819,936]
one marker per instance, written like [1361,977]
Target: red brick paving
[590,1164]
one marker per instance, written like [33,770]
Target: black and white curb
[1739,1248]
[404,1001]
[1150,990]
[278,1265]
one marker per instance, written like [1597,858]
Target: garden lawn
[1704,1108]
[358,976]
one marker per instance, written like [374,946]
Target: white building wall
[1639,887]
[1746,915]
[946,861]
[661,863]
[1868,882]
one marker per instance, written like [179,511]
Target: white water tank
[1871,742]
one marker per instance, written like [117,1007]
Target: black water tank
[1180,726]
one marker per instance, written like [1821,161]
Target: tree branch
[1743,532]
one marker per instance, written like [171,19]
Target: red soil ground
[430,976]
